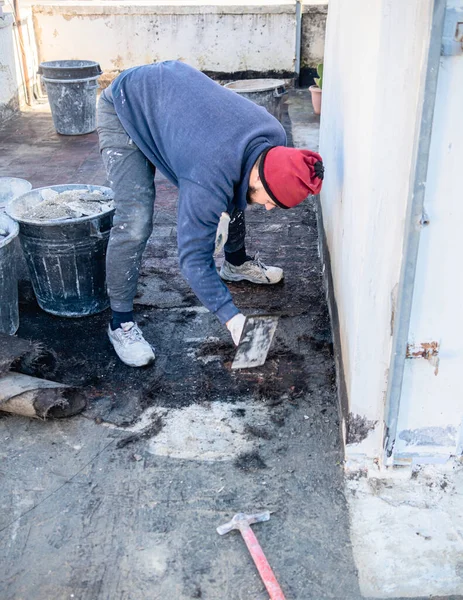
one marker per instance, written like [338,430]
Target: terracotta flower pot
[316,98]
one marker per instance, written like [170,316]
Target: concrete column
[374,70]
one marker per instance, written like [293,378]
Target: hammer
[243,523]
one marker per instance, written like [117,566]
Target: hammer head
[241,519]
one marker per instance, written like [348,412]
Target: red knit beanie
[289,175]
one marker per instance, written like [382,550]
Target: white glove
[222,232]
[235,327]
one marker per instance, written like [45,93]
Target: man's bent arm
[198,217]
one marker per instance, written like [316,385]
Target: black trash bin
[72,87]
[66,258]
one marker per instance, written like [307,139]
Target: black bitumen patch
[148,433]
[250,461]
[98,523]
[258,432]
[358,428]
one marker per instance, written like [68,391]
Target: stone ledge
[161,8]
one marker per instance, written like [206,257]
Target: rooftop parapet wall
[225,40]
[312,40]
[15,68]
[9,78]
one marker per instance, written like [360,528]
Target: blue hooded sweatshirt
[205,139]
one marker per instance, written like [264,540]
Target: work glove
[222,232]
[235,327]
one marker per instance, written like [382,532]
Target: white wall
[373,78]
[10,79]
[210,37]
[431,410]
[12,87]
[313,33]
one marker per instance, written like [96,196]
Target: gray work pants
[131,177]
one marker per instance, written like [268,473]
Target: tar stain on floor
[123,501]
[192,442]
[194,352]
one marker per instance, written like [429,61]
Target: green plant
[319,80]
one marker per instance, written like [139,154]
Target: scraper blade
[255,341]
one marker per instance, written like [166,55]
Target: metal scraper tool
[255,341]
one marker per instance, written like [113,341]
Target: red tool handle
[265,570]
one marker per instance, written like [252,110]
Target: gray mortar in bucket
[52,205]
[64,232]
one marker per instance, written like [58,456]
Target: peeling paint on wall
[427,350]
[263,36]
[312,41]
[430,436]
[358,428]
[424,350]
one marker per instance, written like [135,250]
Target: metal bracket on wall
[452,39]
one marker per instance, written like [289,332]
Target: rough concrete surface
[407,532]
[122,502]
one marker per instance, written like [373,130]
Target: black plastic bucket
[70,69]
[11,187]
[66,258]
[9,315]
[72,88]
[268,93]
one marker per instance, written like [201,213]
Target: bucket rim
[5,177]
[67,81]
[59,222]
[60,65]
[262,85]
[4,241]
[20,180]
[69,69]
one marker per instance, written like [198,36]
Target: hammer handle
[258,556]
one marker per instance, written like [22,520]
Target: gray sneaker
[252,270]
[130,345]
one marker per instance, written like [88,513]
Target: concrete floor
[83,518]
[122,502]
